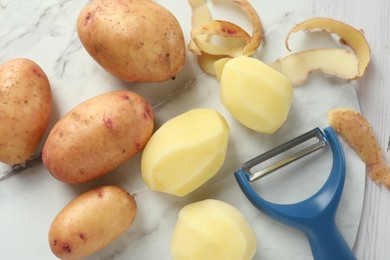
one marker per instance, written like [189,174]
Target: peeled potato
[185,152]
[212,229]
[258,96]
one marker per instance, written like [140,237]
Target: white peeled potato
[258,96]
[212,229]
[185,152]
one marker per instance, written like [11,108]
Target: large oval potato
[135,40]
[97,136]
[25,109]
[91,221]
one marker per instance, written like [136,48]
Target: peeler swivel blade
[314,216]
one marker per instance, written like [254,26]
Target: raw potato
[97,136]
[258,96]
[185,152]
[25,109]
[212,229]
[91,221]
[135,40]
[358,133]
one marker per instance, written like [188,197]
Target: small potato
[91,221]
[97,136]
[25,109]
[135,40]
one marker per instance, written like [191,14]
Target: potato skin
[91,221]
[97,136]
[25,109]
[135,40]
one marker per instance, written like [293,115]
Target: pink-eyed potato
[97,136]
[91,221]
[134,40]
[25,109]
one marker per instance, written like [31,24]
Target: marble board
[45,31]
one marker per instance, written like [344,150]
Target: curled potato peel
[336,61]
[203,27]
[200,14]
[221,28]
[348,35]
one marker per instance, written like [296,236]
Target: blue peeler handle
[314,216]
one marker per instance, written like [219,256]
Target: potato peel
[358,133]
[200,15]
[221,28]
[297,67]
[203,27]
[349,36]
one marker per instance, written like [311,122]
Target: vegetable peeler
[315,216]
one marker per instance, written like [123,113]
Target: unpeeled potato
[25,109]
[91,221]
[98,136]
[135,40]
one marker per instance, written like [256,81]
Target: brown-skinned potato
[91,221]
[135,40]
[98,136]
[25,109]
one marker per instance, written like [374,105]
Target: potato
[91,221]
[185,152]
[25,109]
[212,229]
[97,136]
[135,40]
[258,96]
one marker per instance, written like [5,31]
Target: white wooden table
[374,97]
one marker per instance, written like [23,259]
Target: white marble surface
[45,32]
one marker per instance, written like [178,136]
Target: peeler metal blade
[290,151]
